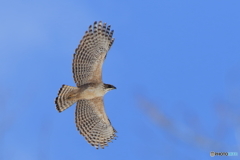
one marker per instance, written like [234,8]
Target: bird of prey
[90,117]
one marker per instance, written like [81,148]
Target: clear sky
[175,64]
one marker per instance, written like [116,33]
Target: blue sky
[175,65]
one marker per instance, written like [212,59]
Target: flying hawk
[91,119]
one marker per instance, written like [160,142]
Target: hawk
[90,117]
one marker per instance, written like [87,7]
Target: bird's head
[109,87]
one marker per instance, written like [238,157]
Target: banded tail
[64,100]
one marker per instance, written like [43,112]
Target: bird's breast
[91,93]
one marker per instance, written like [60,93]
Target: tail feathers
[63,101]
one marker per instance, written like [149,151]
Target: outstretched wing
[93,123]
[90,54]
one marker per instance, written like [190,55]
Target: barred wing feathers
[93,123]
[90,54]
